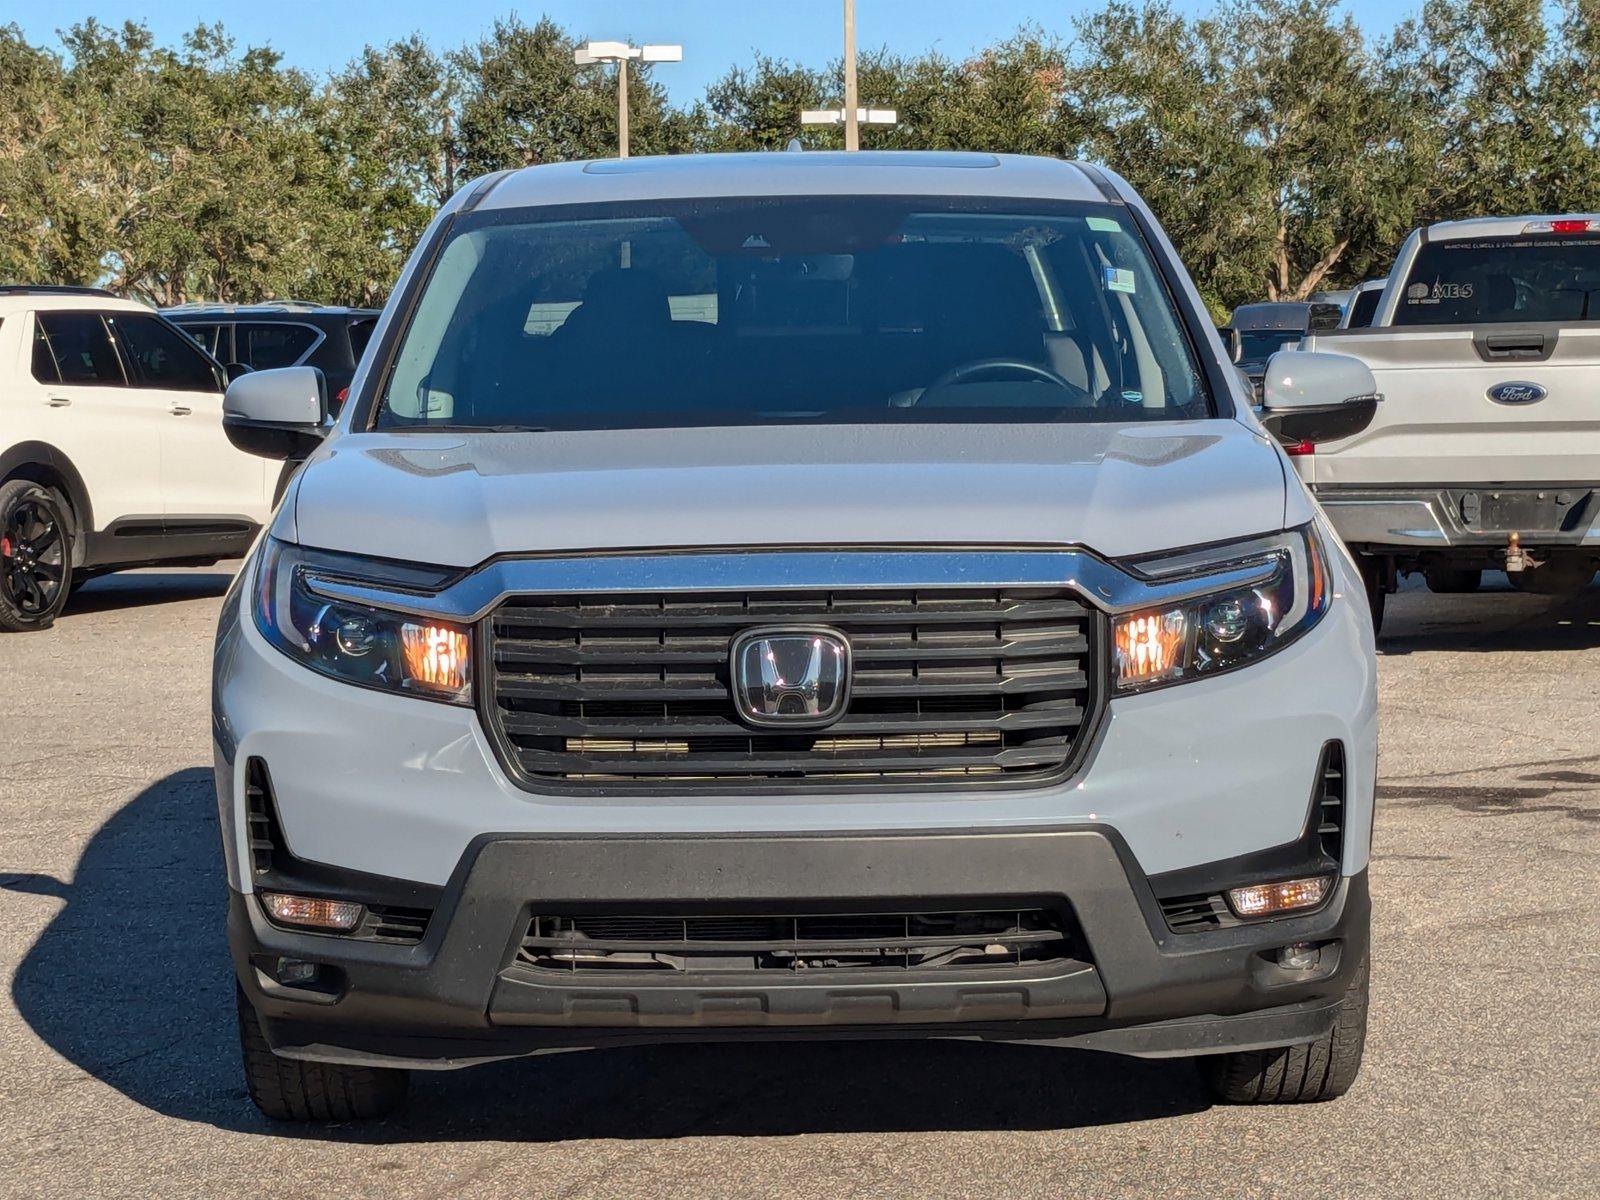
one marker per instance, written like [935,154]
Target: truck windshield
[792,310]
[1507,279]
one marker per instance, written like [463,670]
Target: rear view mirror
[1312,396]
[279,414]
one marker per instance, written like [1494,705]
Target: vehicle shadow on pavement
[130,983]
[1496,619]
[136,589]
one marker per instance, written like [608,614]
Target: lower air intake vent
[1000,939]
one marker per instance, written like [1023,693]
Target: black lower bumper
[461,995]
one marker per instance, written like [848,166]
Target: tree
[1513,108]
[527,102]
[393,126]
[1268,138]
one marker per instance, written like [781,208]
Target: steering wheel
[985,368]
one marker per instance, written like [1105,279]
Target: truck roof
[1284,314]
[1476,227]
[804,173]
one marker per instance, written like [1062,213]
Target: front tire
[1374,578]
[287,1089]
[1319,1070]
[35,556]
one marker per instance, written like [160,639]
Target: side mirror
[1312,396]
[279,414]
[1230,341]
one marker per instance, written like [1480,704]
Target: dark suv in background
[284,333]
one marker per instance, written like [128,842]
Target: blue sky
[321,35]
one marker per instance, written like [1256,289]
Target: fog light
[1267,898]
[311,912]
[295,972]
[1301,956]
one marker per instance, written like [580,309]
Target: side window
[264,346]
[161,357]
[360,334]
[81,348]
[44,358]
[206,335]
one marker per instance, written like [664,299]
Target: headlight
[389,651]
[1225,629]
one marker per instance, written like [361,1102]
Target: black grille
[1329,811]
[261,817]
[390,923]
[1185,914]
[1005,938]
[960,686]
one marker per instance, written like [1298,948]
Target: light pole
[851,114]
[852,125]
[621,53]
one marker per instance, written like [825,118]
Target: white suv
[111,449]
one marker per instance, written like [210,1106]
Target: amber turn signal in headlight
[1268,899]
[356,643]
[1231,627]
[311,912]
[437,657]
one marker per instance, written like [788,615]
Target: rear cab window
[1515,278]
[793,310]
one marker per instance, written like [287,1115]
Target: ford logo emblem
[1515,392]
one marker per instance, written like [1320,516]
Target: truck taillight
[1299,449]
[1567,226]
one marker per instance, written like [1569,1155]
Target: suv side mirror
[1313,396]
[281,413]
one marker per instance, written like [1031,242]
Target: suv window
[360,334]
[791,310]
[74,348]
[209,336]
[1487,280]
[161,357]
[262,345]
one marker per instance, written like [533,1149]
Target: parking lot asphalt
[1482,1077]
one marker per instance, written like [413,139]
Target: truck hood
[457,499]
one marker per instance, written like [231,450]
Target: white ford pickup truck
[1485,452]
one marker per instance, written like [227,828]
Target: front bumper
[461,996]
[1463,516]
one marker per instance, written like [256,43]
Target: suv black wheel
[35,556]
[287,1089]
[1319,1070]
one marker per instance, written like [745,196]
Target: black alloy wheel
[35,557]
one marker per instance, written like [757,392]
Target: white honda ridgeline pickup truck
[795,596]
[1485,453]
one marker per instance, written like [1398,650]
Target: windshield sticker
[1119,279]
[1421,293]
[1103,225]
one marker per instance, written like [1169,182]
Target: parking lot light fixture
[622,53]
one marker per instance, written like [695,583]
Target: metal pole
[622,108]
[852,127]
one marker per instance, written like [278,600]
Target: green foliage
[1284,150]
